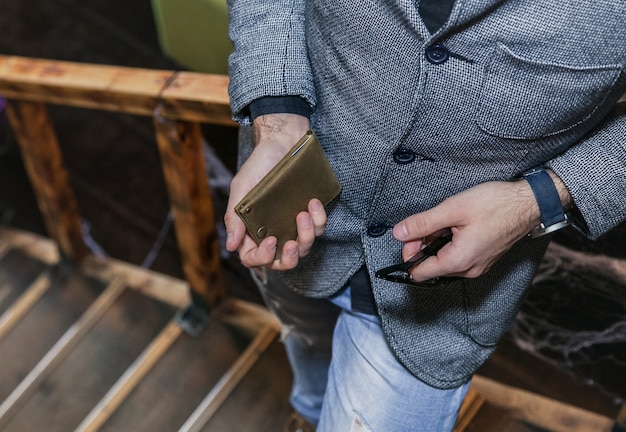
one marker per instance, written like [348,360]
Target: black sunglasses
[400,272]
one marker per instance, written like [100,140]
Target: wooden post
[469,408]
[43,161]
[180,145]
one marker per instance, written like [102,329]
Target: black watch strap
[552,215]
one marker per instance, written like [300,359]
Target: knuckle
[306,241]
[251,259]
[461,265]
[320,219]
[247,261]
[228,217]
[473,273]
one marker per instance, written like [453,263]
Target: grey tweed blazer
[528,82]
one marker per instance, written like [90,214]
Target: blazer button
[376,230]
[437,54]
[403,156]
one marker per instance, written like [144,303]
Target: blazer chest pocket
[526,99]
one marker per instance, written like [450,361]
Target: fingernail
[272,248]
[400,232]
[307,222]
[292,251]
[229,239]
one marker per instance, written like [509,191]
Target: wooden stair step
[89,353]
[87,367]
[492,418]
[37,332]
[96,347]
[17,271]
[168,395]
[260,402]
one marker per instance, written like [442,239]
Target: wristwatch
[553,217]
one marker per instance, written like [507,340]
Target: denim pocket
[529,99]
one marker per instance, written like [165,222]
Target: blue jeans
[346,379]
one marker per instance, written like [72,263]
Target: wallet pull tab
[309,135]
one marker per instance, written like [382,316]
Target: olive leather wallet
[271,207]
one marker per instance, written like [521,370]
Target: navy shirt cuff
[279,105]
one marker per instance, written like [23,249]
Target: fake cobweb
[575,317]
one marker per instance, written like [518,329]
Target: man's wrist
[550,201]
[282,130]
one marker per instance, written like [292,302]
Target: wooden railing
[178,102]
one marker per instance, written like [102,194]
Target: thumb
[235,229]
[423,224]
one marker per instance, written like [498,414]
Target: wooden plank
[156,285]
[62,305]
[159,286]
[83,85]
[229,381]
[491,418]
[26,301]
[180,146]
[94,365]
[167,396]
[187,96]
[472,403]
[5,293]
[59,351]
[17,271]
[44,164]
[539,410]
[263,395]
[248,318]
[180,99]
[133,375]
[31,244]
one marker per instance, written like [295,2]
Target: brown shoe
[297,423]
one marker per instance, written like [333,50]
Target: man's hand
[485,220]
[274,135]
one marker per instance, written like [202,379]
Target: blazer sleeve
[269,53]
[594,172]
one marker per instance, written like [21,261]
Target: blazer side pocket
[528,99]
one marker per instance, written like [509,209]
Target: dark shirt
[435,13]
